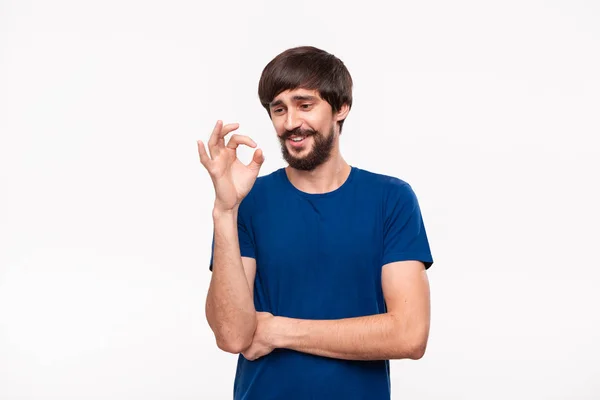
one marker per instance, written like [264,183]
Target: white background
[490,110]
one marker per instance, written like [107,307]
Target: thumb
[257,160]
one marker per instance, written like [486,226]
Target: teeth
[297,139]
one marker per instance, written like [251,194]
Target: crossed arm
[401,332]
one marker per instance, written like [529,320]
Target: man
[318,269]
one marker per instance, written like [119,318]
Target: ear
[342,112]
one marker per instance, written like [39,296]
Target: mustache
[297,132]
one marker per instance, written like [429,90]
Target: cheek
[314,122]
[321,120]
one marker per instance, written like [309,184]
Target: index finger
[219,132]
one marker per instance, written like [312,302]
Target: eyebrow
[294,98]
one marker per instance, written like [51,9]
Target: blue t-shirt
[319,256]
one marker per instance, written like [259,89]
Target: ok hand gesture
[231,178]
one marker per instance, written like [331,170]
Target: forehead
[287,96]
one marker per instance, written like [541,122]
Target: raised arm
[230,308]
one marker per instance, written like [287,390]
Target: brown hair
[309,68]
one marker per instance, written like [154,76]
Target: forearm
[374,337]
[229,305]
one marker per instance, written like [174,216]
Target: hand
[231,178]
[262,343]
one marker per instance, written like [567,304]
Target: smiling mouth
[297,141]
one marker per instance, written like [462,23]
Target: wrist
[220,212]
[282,332]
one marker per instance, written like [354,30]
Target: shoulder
[387,185]
[395,195]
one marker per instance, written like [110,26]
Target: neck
[327,177]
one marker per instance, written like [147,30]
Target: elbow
[417,346]
[409,350]
[410,337]
[411,345]
[233,335]
[234,338]
[234,346]
[417,350]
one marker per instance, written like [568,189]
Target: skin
[229,307]
[401,332]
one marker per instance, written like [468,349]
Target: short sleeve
[245,234]
[404,231]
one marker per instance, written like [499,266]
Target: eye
[277,110]
[306,106]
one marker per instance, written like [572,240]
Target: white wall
[489,109]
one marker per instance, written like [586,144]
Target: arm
[229,303]
[230,308]
[401,332]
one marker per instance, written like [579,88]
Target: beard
[317,155]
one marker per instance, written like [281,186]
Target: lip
[297,144]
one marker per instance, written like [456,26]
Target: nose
[292,121]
